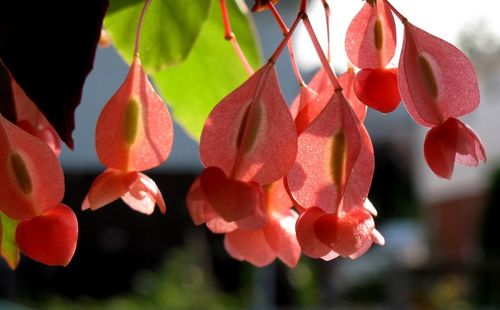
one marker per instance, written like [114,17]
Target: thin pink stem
[327,17]
[285,40]
[400,16]
[321,54]
[229,35]
[139,27]
[285,31]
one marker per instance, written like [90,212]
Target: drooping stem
[274,57]
[139,27]
[229,35]
[321,54]
[400,16]
[285,31]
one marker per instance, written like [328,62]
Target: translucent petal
[370,40]
[452,142]
[249,245]
[134,131]
[250,134]
[32,179]
[143,195]
[436,80]
[107,187]
[280,235]
[328,151]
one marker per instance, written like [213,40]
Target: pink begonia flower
[31,190]
[134,133]
[330,181]
[438,84]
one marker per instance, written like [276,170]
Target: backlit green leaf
[169,31]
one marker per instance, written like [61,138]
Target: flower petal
[134,131]
[32,179]
[370,41]
[143,195]
[249,245]
[309,242]
[436,80]
[49,238]
[250,134]
[280,235]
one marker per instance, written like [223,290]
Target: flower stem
[229,35]
[139,27]
[285,31]
[321,54]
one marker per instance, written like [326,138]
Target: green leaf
[9,249]
[211,70]
[169,31]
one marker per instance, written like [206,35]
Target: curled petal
[436,80]
[49,238]
[107,187]
[32,179]
[250,134]
[250,245]
[306,236]
[134,131]
[370,40]
[451,142]
[143,195]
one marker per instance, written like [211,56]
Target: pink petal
[436,80]
[32,179]
[250,134]
[309,243]
[378,89]
[470,150]
[233,200]
[370,40]
[107,187]
[218,225]
[277,197]
[347,234]
[249,245]
[452,141]
[280,235]
[198,205]
[143,195]
[134,131]
[328,150]
[51,237]
[32,120]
